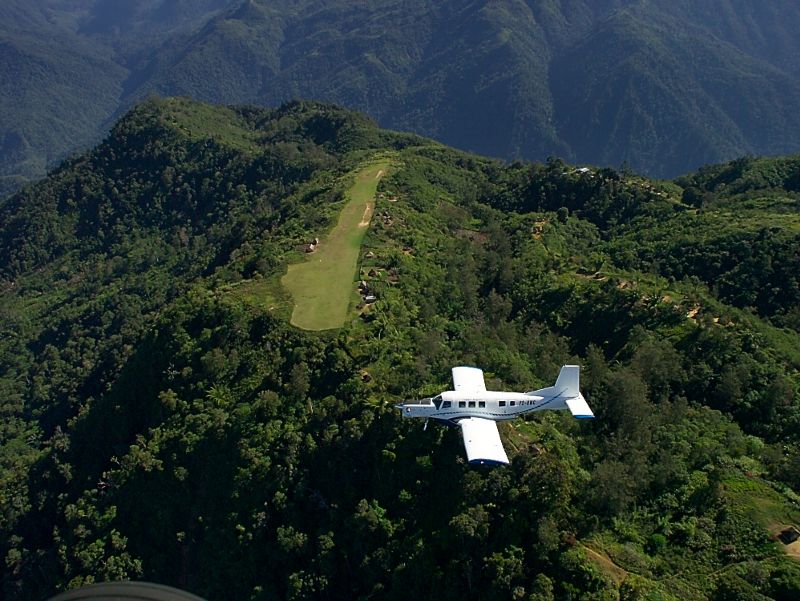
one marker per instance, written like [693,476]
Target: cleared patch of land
[605,563]
[322,285]
[265,294]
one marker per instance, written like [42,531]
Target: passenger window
[472,403]
[481,403]
[462,404]
[502,403]
[512,403]
[446,405]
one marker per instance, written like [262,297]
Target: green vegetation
[199,122]
[162,419]
[322,285]
[661,87]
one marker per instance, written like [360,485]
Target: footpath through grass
[322,285]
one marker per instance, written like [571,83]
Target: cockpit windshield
[425,401]
[437,400]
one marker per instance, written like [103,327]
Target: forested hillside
[162,420]
[662,86]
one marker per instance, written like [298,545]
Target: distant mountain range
[662,87]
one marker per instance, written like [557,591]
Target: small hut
[789,535]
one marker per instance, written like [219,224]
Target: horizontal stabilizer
[482,441]
[579,407]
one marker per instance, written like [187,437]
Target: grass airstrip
[322,286]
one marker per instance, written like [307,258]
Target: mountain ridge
[512,79]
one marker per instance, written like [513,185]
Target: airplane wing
[468,379]
[482,440]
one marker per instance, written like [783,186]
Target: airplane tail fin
[568,382]
[567,393]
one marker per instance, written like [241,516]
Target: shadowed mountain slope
[663,87]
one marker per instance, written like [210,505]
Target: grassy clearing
[202,121]
[264,293]
[757,500]
[606,565]
[322,285]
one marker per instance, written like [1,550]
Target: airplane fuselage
[453,405]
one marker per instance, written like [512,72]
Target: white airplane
[476,409]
